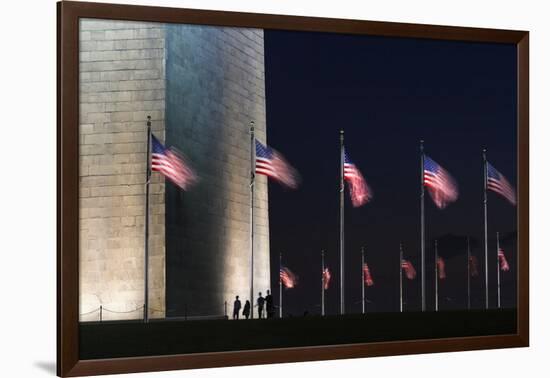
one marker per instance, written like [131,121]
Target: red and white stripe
[502,187]
[408,267]
[367,276]
[326,278]
[172,165]
[288,279]
[279,169]
[503,262]
[441,268]
[441,186]
[360,193]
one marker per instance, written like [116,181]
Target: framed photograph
[240,188]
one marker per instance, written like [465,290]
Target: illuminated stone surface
[210,84]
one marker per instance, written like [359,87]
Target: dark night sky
[387,94]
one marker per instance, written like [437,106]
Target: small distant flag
[368,277]
[359,190]
[441,268]
[171,164]
[408,267]
[326,278]
[473,266]
[288,279]
[441,185]
[498,184]
[272,164]
[503,262]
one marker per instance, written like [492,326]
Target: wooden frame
[68,363]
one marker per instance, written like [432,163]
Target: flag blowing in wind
[441,268]
[171,164]
[408,267]
[367,276]
[359,190]
[473,266]
[498,184]
[272,164]
[288,279]
[326,278]
[503,262]
[441,185]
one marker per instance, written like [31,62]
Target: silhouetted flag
[368,277]
[288,279]
[503,262]
[326,278]
[498,184]
[171,164]
[359,190]
[272,164]
[441,268]
[441,185]
[408,267]
[473,266]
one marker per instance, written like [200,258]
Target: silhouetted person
[260,303]
[269,309]
[246,309]
[236,307]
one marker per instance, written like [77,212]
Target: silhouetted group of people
[261,302]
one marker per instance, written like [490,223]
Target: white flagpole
[363,278]
[469,272]
[146,254]
[498,272]
[401,277]
[252,181]
[485,224]
[342,304]
[322,283]
[422,228]
[280,287]
[436,279]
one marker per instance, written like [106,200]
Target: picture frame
[69,362]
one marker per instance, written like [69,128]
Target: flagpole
[322,283]
[252,181]
[422,227]
[485,224]
[436,279]
[363,278]
[146,254]
[342,305]
[401,277]
[469,272]
[280,287]
[498,272]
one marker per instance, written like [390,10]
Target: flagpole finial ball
[148,120]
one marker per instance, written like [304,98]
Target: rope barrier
[112,311]
[91,312]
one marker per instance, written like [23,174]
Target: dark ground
[130,339]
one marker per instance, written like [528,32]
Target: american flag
[473,266]
[441,268]
[326,278]
[171,164]
[441,185]
[288,279]
[408,267]
[272,164]
[498,184]
[359,190]
[503,262]
[366,274]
